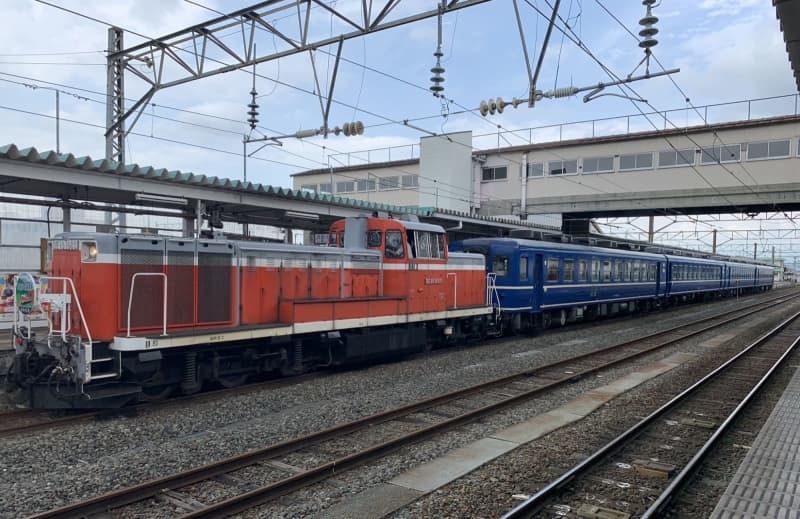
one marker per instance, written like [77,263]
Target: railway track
[281,466]
[622,480]
[25,421]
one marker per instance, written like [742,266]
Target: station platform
[767,483]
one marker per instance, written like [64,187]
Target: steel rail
[6,430]
[694,464]
[534,503]
[152,488]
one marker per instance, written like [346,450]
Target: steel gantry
[199,51]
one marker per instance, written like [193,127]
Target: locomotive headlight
[88,251]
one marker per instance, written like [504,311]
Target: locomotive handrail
[130,299]
[455,288]
[77,303]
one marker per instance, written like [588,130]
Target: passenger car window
[582,270]
[595,270]
[606,271]
[569,270]
[394,245]
[552,270]
[523,268]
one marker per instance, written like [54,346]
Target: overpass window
[552,270]
[410,181]
[536,169]
[326,188]
[366,184]
[636,161]
[345,187]
[562,167]
[598,165]
[389,183]
[308,187]
[497,173]
[673,158]
[767,150]
[716,154]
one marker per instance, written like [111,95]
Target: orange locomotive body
[151,315]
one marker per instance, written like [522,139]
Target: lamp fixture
[161,199]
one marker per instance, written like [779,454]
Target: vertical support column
[714,241]
[287,237]
[523,179]
[755,250]
[773,255]
[198,218]
[188,226]
[66,219]
[650,229]
[115,97]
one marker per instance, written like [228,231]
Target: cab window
[394,245]
[374,238]
[500,265]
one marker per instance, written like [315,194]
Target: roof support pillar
[66,219]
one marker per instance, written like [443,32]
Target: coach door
[538,281]
[526,273]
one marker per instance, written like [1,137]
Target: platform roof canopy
[788,12]
[82,179]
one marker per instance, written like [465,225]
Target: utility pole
[115,98]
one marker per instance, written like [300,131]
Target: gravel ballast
[49,469]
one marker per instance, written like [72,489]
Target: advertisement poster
[7,298]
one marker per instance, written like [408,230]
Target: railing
[744,110]
[491,290]
[62,301]
[130,299]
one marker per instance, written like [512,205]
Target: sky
[727,50]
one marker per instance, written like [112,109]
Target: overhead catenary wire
[582,46]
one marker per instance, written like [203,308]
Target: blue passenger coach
[541,283]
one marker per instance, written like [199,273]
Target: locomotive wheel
[547,320]
[156,393]
[232,380]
